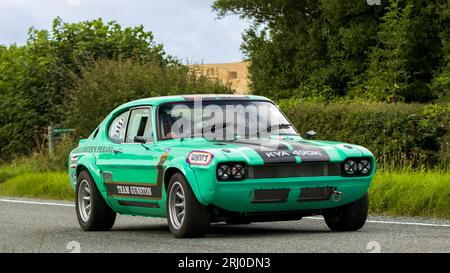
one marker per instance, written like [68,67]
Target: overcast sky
[187,28]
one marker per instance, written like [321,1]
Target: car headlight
[364,166]
[223,172]
[231,171]
[350,167]
[237,171]
[356,167]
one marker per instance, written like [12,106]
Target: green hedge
[400,135]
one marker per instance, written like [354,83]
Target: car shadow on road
[220,230]
[224,230]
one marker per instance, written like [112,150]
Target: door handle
[117,151]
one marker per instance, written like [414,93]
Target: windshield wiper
[222,126]
[273,127]
[203,129]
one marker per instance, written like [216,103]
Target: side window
[140,125]
[116,132]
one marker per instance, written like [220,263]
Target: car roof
[180,98]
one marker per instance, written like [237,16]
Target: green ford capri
[201,159]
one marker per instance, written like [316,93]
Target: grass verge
[48,185]
[411,193]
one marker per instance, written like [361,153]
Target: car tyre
[93,213]
[349,217]
[187,218]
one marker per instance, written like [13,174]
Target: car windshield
[222,120]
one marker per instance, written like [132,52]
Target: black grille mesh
[293,170]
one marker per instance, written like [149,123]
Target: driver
[167,123]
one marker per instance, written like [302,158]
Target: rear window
[116,131]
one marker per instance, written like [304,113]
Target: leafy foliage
[107,84]
[397,51]
[386,74]
[400,135]
[36,79]
[441,82]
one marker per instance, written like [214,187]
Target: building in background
[234,73]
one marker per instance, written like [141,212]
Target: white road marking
[312,218]
[394,222]
[36,203]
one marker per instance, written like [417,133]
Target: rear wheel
[92,211]
[349,217]
[185,215]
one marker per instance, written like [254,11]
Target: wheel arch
[81,168]
[87,163]
[188,175]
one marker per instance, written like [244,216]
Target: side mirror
[140,139]
[310,134]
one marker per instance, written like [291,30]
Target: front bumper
[239,196]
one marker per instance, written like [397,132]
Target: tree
[107,84]
[441,81]
[36,79]
[304,48]
[329,49]
[387,75]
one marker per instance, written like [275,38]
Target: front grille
[316,194]
[270,196]
[293,170]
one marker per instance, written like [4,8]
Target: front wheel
[349,217]
[92,211]
[185,215]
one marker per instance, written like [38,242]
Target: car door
[131,172]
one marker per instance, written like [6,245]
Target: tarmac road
[51,226]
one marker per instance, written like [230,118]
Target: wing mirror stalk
[142,140]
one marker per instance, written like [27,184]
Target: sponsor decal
[73,161]
[94,149]
[199,158]
[143,190]
[132,190]
[215,97]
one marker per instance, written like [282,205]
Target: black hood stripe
[282,151]
[271,151]
[309,152]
